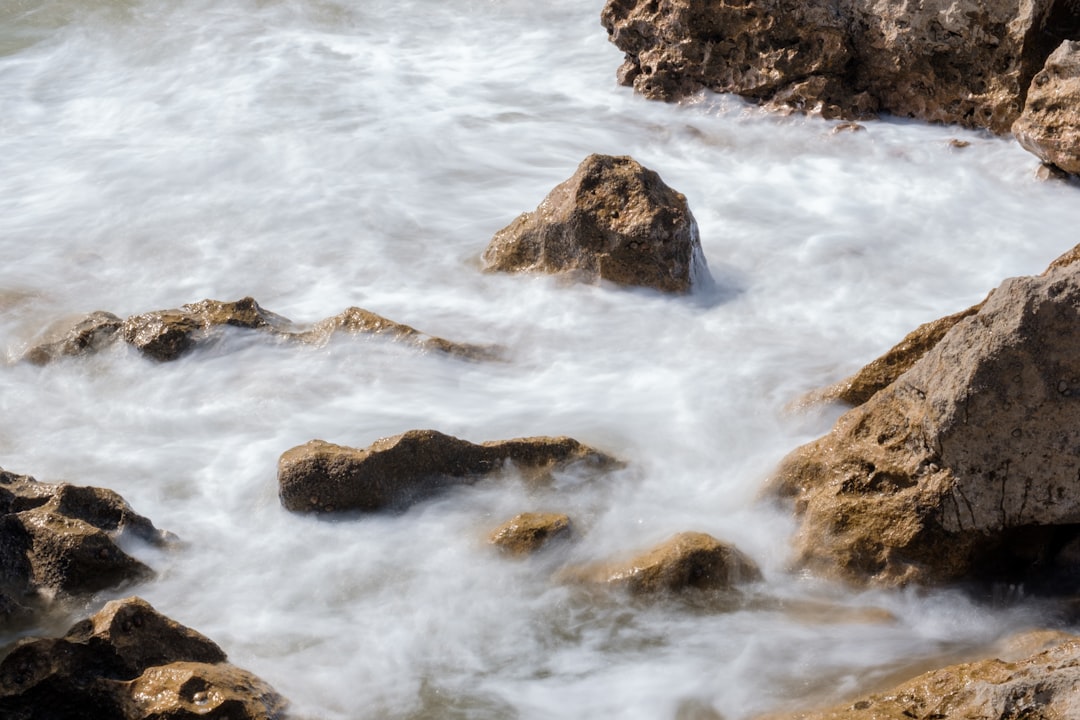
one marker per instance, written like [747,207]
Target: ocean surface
[319,154]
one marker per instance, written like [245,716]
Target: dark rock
[529,532]
[1050,124]
[396,472]
[613,220]
[88,334]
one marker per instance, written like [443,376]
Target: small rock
[529,532]
[958,143]
[88,334]
[1049,127]
[167,334]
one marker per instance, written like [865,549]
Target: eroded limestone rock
[613,220]
[1050,124]
[129,662]
[527,533]
[395,472]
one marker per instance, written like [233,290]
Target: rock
[129,662]
[963,469]
[393,473]
[952,61]
[1049,127]
[61,540]
[686,562]
[88,334]
[613,220]
[529,532]
[1044,685]
[167,334]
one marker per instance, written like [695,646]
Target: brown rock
[1050,124]
[88,334]
[613,220]
[167,334]
[962,469]
[952,61]
[396,472]
[129,662]
[529,532]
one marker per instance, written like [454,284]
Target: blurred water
[317,155]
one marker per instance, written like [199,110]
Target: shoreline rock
[1049,127]
[529,533]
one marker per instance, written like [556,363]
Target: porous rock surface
[1050,124]
[954,61]
[60,540]
[395,472]
[613,220]
[129,662]
[527,533]
[965,467]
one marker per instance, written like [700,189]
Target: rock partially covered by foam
[1050,124]
[393,473]
[612,220]
[527,533]
[129,662]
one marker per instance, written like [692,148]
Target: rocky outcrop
[689,561]
[129,662]
[61,540]
[612,220]
[165,335]
[527,533]
[964,468]
[1050,124]
[953,61]
[1043,685]
[394,473]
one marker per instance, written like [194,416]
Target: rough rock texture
[393,473]
[529,532]
[955,61]
[964,468]
[88,334]
[1050,124]
[1043,686]
[688,561]
[613,220]
[129,662]
[61,540]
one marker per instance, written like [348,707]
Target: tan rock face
[529,532]
[613,220]
[964,468]
[129,662]
[396,472]
[1050,124]
[955,61]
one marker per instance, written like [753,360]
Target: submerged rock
[527,533]
[947,61]
[61,540]
[88,334]
[613,220]
[393,473]
[964,468]
[1050,124]
[129,662]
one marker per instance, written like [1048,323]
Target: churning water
[317,154]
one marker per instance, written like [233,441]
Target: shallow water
[317,155]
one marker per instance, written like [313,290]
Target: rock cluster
[129,662]
[1050,124]
[612,220]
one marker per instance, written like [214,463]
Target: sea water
[320,154]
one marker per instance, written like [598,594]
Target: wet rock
[130,662]
[962,469]
[688,561]
[88,334]
[1050,124]
[529,532]
[950,61]
[613,220]
[393,473]
[61,540]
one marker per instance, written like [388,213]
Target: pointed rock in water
[88,334]
[1050,124]
[129,662]
[396,472]
[527,533]
[613,220]
[964,469]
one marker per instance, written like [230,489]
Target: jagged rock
[395,472]
[613,220]
[61,540]
[953,61]
[687,561]
[964,468]
[88,334]
[529,532]
[1045,685]
[1050,124]
[129,662]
